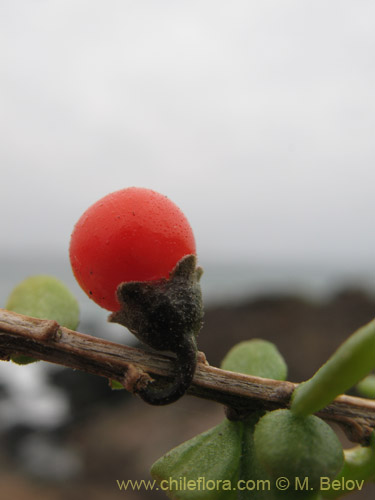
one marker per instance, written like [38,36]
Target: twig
[48,341]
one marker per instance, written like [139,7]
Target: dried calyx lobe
[166,315]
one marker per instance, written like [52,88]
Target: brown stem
[134,368]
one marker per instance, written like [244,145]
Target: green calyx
[162,312]
[166,314]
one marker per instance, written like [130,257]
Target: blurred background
[257,119]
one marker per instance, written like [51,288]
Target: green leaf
[359,465]
[257,483]
[116,386]
[256,357]
[354,359]
[203,468]
[21,359]
[366,387]
[290,446]
[45,297]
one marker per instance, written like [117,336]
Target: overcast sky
[256,117]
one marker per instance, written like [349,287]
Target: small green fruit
[291,446]
[45,297]
[256,357]
[203,468]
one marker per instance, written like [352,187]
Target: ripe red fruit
[134,234]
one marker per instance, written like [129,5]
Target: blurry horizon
[222,281]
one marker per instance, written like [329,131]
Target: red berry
[134,234]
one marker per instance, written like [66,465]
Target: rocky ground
[113,436]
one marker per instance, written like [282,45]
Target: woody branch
[132,367]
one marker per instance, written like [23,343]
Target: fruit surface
[134,234]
